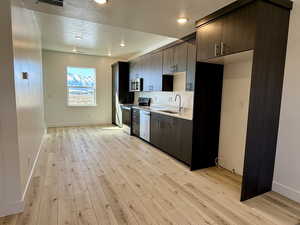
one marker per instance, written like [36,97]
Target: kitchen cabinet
[149,67]
[172,135]
[232,33]
[145,68]
[208,40]
[180,57]
[186,141]
[175,59]
[152,72]
[261,26]
[191,65]
[126,116]
[168,59]
[135,122]
[120,90]
[155,74]
[238,31]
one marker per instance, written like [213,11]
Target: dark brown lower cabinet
[126,116]
[172,135]
[135,122]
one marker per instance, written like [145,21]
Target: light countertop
[185,114]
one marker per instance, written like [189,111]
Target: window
[81,84]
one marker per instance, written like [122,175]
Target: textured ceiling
[151,16]
[142,24]
[59,34]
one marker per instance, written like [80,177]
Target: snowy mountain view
[81,86]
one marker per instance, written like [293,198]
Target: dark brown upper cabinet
[208,40]
[175,59]
[156,61]
[191,65]
[168,59]
[238,31]
[180,57]
[231,33]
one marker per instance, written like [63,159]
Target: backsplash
[167,98]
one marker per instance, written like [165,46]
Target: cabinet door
[155,130]
[173,136]
[238,31]
[208,40]
[156,62]
[132,69]
[180,57]
[146,72]
[126,117]
[168,61]
[136,122]
[186,140]
[191,65]
[138,67]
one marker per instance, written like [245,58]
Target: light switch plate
[25,76]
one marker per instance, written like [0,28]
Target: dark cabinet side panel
[207,111]
[265,99]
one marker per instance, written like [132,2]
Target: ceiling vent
[53,2]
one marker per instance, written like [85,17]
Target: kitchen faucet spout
[180,102]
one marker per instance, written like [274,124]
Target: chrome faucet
[180,102]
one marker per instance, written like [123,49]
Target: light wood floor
[95,176]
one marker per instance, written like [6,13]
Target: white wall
[10,171]
[21,114]
[287,167]
[29,93]
[57,113]
[234,114]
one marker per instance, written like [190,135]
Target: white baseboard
[74,124]
[12,209]
[286,191]
[33,167]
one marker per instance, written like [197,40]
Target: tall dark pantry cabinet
[120,90]
[260,26]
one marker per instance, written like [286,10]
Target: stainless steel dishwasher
[145,125]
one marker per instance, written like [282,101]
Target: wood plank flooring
[102,176]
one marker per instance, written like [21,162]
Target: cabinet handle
[216,49]
[172,69]
[222,48]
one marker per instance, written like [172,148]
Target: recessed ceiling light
[122,44]
[101,1]
[74,50]
[78,37]
[109,54]
[182,20]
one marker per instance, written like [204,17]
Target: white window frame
[95,88]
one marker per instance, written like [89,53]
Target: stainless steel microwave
[136,84]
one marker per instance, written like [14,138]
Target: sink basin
[169,111]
